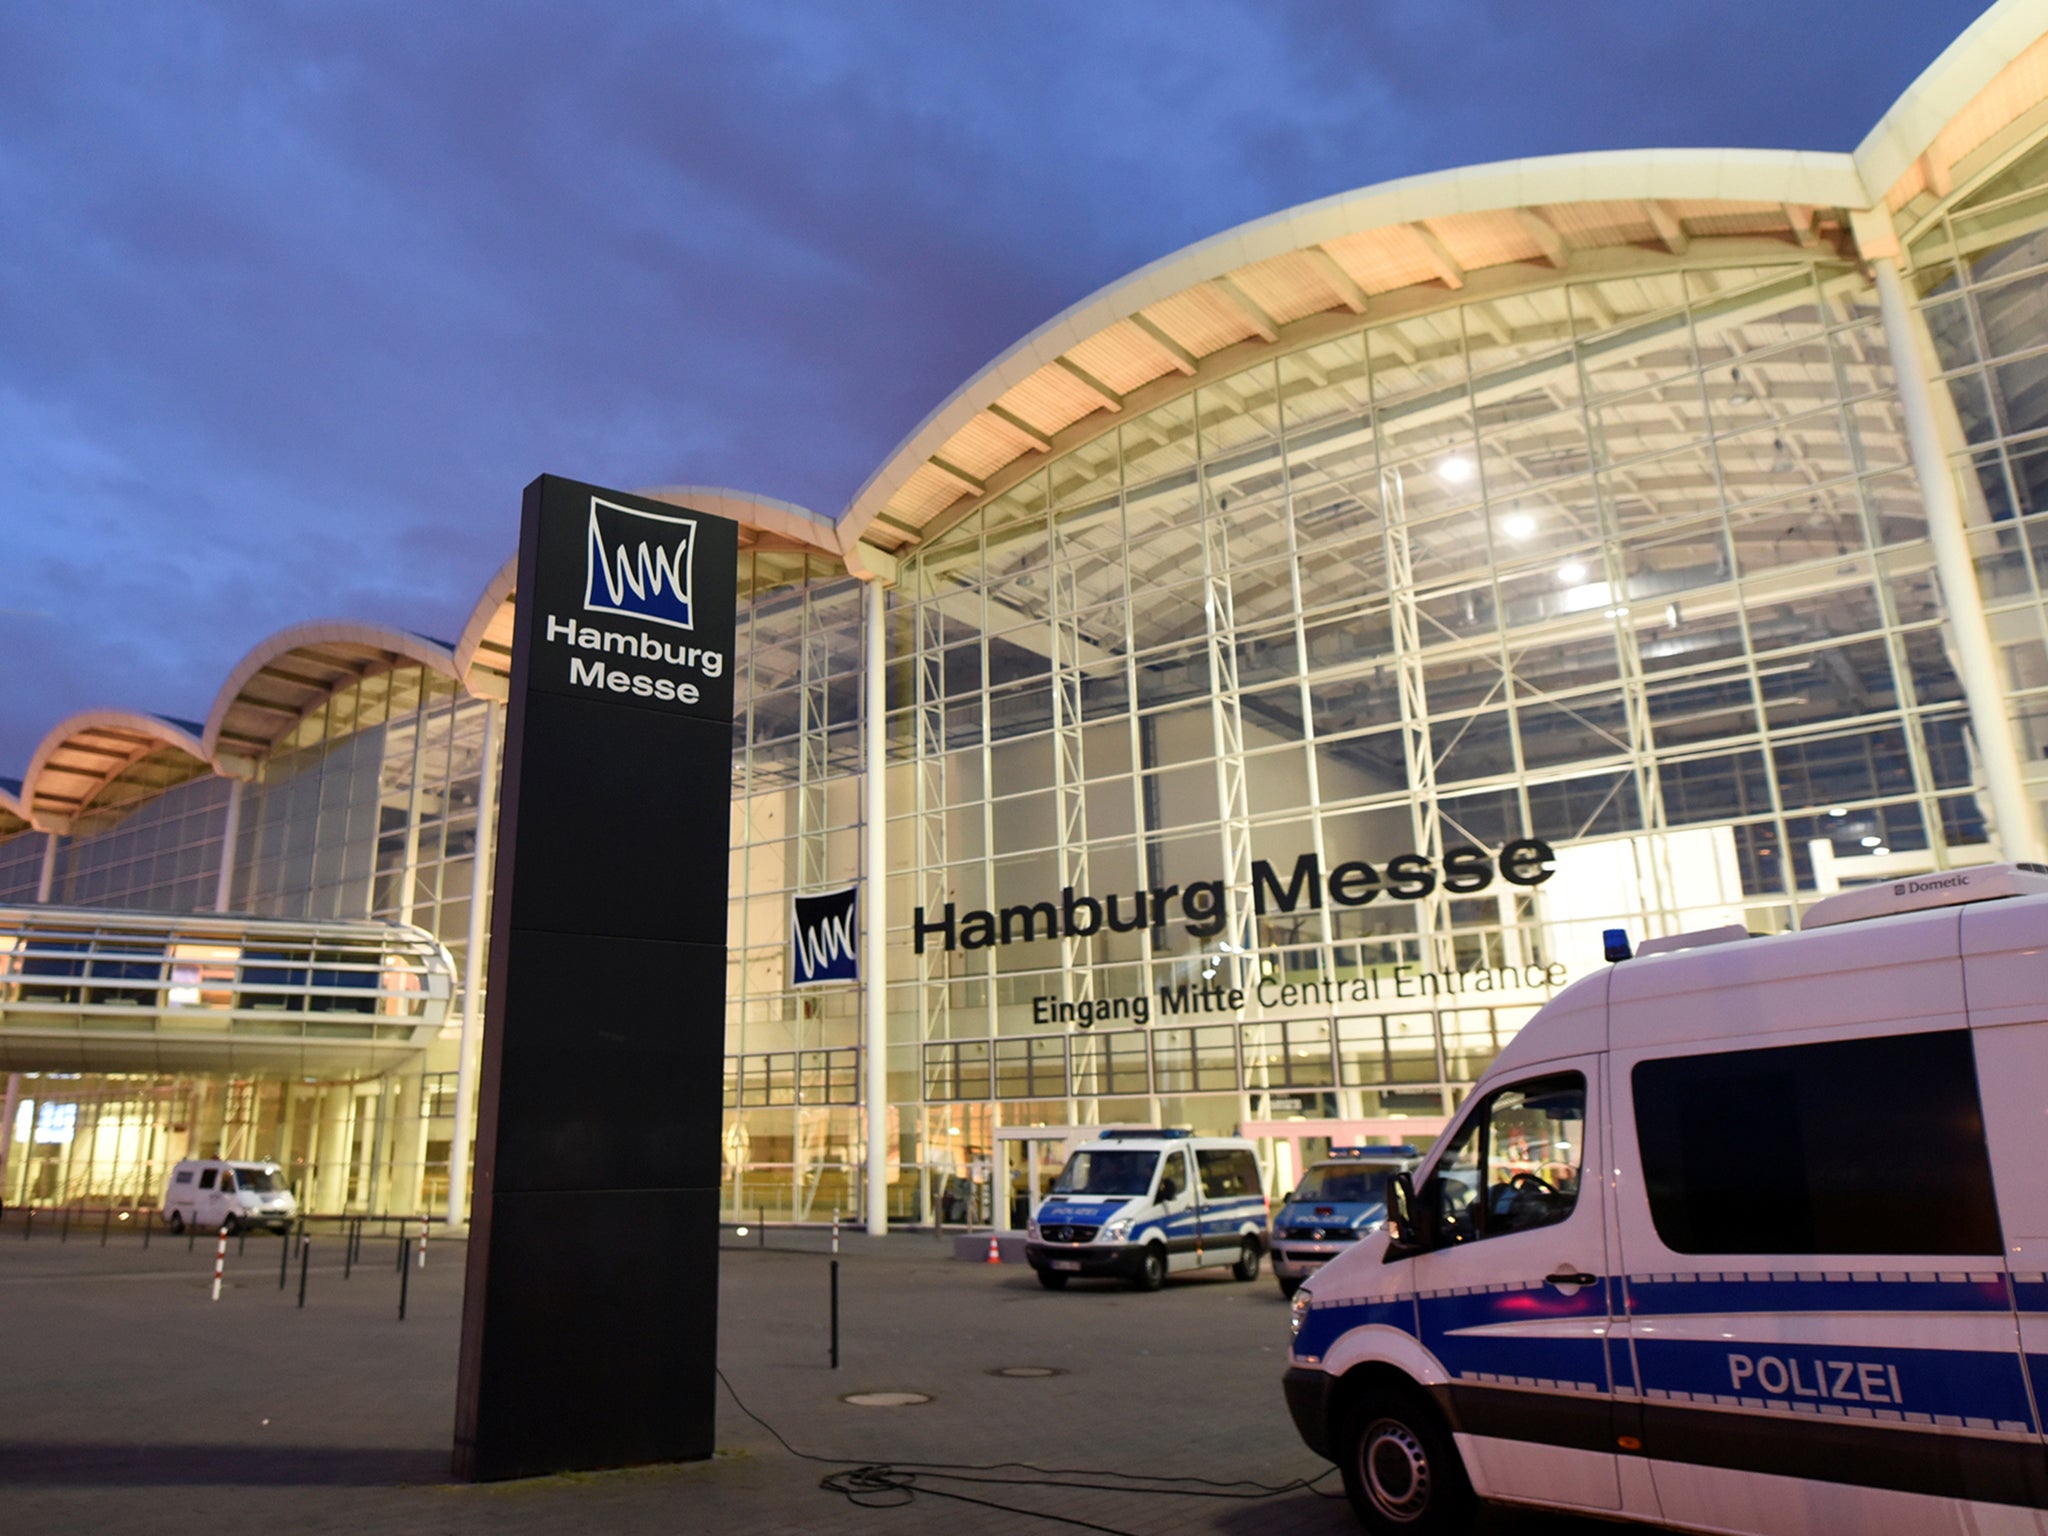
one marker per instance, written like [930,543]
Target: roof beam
[1254,313]
[1181,358]
[1670,228]
[1110,398]
[1013,420]
[955,473]
[1335,275]
[1439,255]
[1556,250]
[1936,172]
[1801,217]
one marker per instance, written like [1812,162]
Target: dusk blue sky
[294,298]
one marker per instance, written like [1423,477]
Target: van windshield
[1120,1171]
[261,1180]
[1345,1184]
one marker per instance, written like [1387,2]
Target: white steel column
[874,898]
[2017,831]
[46,879]
[472,968]
[230,834]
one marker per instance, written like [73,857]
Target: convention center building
[1240,705]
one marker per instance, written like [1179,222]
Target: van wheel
[1287,1287]
[1247,1265]
[1401,1470]
[176,1221]
[1052,1281]
[1151,1269]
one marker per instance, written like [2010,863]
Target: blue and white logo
[823,932]
[639,564]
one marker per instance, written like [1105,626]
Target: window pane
[1769,1151]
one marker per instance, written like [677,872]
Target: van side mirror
[1406,1222]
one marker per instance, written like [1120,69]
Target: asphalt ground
[131,1402]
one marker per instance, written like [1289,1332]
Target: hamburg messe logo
[639,564]
[821,938]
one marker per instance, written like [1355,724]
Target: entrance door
[1512,1299]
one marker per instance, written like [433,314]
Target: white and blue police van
[1742,1234]
[1144,1203]
[1341,1198]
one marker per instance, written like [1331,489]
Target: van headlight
[1117,1230]
[1031,1231]
[1297,1312]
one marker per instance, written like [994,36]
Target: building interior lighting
[1880,851]
[1518,525]
[1838,810]
[1455,470]
[1571,573]
[1870,842]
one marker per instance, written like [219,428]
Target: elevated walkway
[90,990]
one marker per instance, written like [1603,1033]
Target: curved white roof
[104,759]
[1279,281]
[287,673]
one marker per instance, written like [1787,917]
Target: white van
[211,1194]
[1140,1204]
[1739,1235]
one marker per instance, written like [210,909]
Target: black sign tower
[590,1321]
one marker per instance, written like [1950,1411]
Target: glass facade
[1273,752]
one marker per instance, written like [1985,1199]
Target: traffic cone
[995,1250]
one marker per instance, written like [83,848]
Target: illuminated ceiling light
[1870,842]
[1838,810]
[1455,470]
[1880,851]
[1518,525]
[1571,573]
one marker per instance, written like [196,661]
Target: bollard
[423,1242]
[348,1250]
[835,1231]
[404,1246]
[220,1262]
[763,1228]
[64,1226]
[835,1314]
[148,1225]
[28,1223]
[241,1242]
[191,1234]
[284,1255]
[106,1224]
[404,1274]
[305,1257]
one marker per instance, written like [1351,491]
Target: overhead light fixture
[1518,525]
[1741,394]
[1838,810]
[1870,842]
[1880,851]
[1781,457]
[1571,573]
[1455,470]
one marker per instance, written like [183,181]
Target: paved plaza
[136,1404]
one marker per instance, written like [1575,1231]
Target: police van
[228,1196]
[1742,1234]
[1339,1200]
[1143,1204]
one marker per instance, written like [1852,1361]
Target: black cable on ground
[890,1485]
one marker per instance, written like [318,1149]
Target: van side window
[182,1176]
[1514,1164]
[1227,1173]
[227,1182]
[207,1176]
[1848,1146]
[1173,1177]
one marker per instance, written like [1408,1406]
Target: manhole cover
[1027,1370]
[886,1399]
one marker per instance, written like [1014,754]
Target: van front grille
[1064,1234]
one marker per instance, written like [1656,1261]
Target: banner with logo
[824,938]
